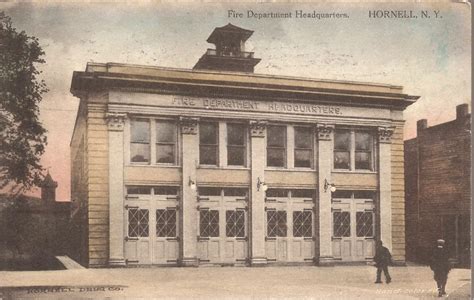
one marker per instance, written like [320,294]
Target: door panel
[353,229]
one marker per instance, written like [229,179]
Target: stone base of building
[117,262]
[326,261]
[188,262]
[258,261]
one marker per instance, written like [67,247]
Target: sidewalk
[339,282]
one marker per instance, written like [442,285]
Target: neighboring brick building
[437,188]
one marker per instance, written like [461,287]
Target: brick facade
[437,180]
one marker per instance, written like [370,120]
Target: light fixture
[192,184]
[327,185]
[261,184]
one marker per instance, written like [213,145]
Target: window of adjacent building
[236,144]
[140,141]
[353,150]
[303,147]
[166,140]
[208,143]
[276,146]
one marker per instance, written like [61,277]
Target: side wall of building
[98,188]
[78,227]
[398,195]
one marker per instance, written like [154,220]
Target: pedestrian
[440,266]
[382,259]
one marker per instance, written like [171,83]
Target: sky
[430,58]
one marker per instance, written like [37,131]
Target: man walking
[382,259]
[440,266]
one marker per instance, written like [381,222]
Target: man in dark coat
[440,266]
[382,259]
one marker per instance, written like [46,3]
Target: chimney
[462,111]
[421,125]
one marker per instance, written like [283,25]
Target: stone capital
[385,134]
[188,125]
[115,121]
[325,132]
[257,128]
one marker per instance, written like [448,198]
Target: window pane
[302,224]
[341,224]
[209,191]
[209,223]
[341,160]
[364,195]
[208,133]
[342,194]
[362,160]
[235,156]
[303,158]
[208,155]
[364,224]
[282,226]
[277,193]
[165,132]
[235,223]
[272,222]
[276,157]
[140,131]
[166,190]
[342,140]
[140,152]
[302,194]
[362,141]
[236,134]
[235,192]
[139,190]
[165,154]
[276,136]
[303,138]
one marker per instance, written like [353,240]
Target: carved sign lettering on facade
[250,105]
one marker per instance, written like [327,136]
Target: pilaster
[325,133]
[385,185]
[188,200]
[257,200]
[115,122]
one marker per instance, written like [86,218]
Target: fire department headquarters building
[219,165]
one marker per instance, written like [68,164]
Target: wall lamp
[192,184]
[331,186]
[261,184]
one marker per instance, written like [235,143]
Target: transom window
[353,150]
[286,193]
[166,140]
[140,141]
[236,144]
[344,194]
[303,147]
[208,143]
[276,146]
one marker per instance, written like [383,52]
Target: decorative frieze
[385,134]
[188,125]
[257,128]
[115,121]
[324,131]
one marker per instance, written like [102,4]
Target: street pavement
[338,282]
